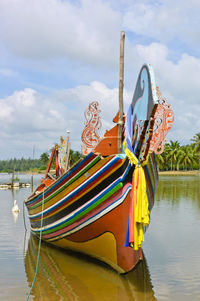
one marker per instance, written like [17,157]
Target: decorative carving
[163,120]
[89,135]
[139,117]
[64,152]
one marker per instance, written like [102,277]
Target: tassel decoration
[139,212]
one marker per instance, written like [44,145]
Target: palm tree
[160,161]
[173,153]
[196,142]
[187,157]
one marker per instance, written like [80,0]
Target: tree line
[174,157]
[177,157]
[29,164]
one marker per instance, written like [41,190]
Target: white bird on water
[15,208]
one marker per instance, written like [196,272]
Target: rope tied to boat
[24,217]
[139,212]
[39,246]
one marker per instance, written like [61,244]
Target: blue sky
[57,56]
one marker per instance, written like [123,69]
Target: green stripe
[106,196]
[67,184]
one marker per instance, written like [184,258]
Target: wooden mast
[121,86]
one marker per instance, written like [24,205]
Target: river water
[170,271]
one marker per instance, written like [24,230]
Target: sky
[56,56]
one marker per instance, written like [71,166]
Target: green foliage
[16,179]
[177,157]
[74,156]
[196,142]
[43,167]
[33,164]
[44,158]
[19,164]
[174,157]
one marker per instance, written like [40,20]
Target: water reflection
[66,276]
[15,216]
[177,188]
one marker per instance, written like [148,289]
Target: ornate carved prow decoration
[64,153]
[89,135]
[164,118]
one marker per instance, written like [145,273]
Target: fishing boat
[101,206]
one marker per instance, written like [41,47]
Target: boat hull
[104,239]
[87,210]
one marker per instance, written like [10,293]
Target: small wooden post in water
[121,86]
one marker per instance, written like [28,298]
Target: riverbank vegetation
[34,165]
[176,157]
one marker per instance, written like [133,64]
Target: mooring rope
[24,217]
[38,255]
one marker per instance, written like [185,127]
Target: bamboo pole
[121,86]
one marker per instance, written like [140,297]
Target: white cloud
[7,72]
[29,118]
[165,20]
[179,83]
[42,29]
[88,32]
[26,118]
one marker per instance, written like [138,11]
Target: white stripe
[63,184]
[99,215]
[65,219]
[68,195]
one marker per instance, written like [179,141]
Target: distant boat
[4,186]
[15,185]
[101,206]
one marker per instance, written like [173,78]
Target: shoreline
[179,172]
[166,172]
[24,173]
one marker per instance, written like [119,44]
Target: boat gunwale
[30,198]
[64,185]
[121,179]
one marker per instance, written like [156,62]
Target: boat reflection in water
[66,276]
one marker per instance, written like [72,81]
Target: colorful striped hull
[87,209]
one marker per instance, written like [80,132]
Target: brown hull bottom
[104,239]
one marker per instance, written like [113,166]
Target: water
[170,271]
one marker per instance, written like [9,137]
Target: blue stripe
[80,188]
[87,206]
[61,180]
[126,192]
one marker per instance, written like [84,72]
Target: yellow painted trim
[75,185]
[72,186]
[103,247]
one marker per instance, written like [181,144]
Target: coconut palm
[196,142]
[173,152]
[187,157]
[160,161]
